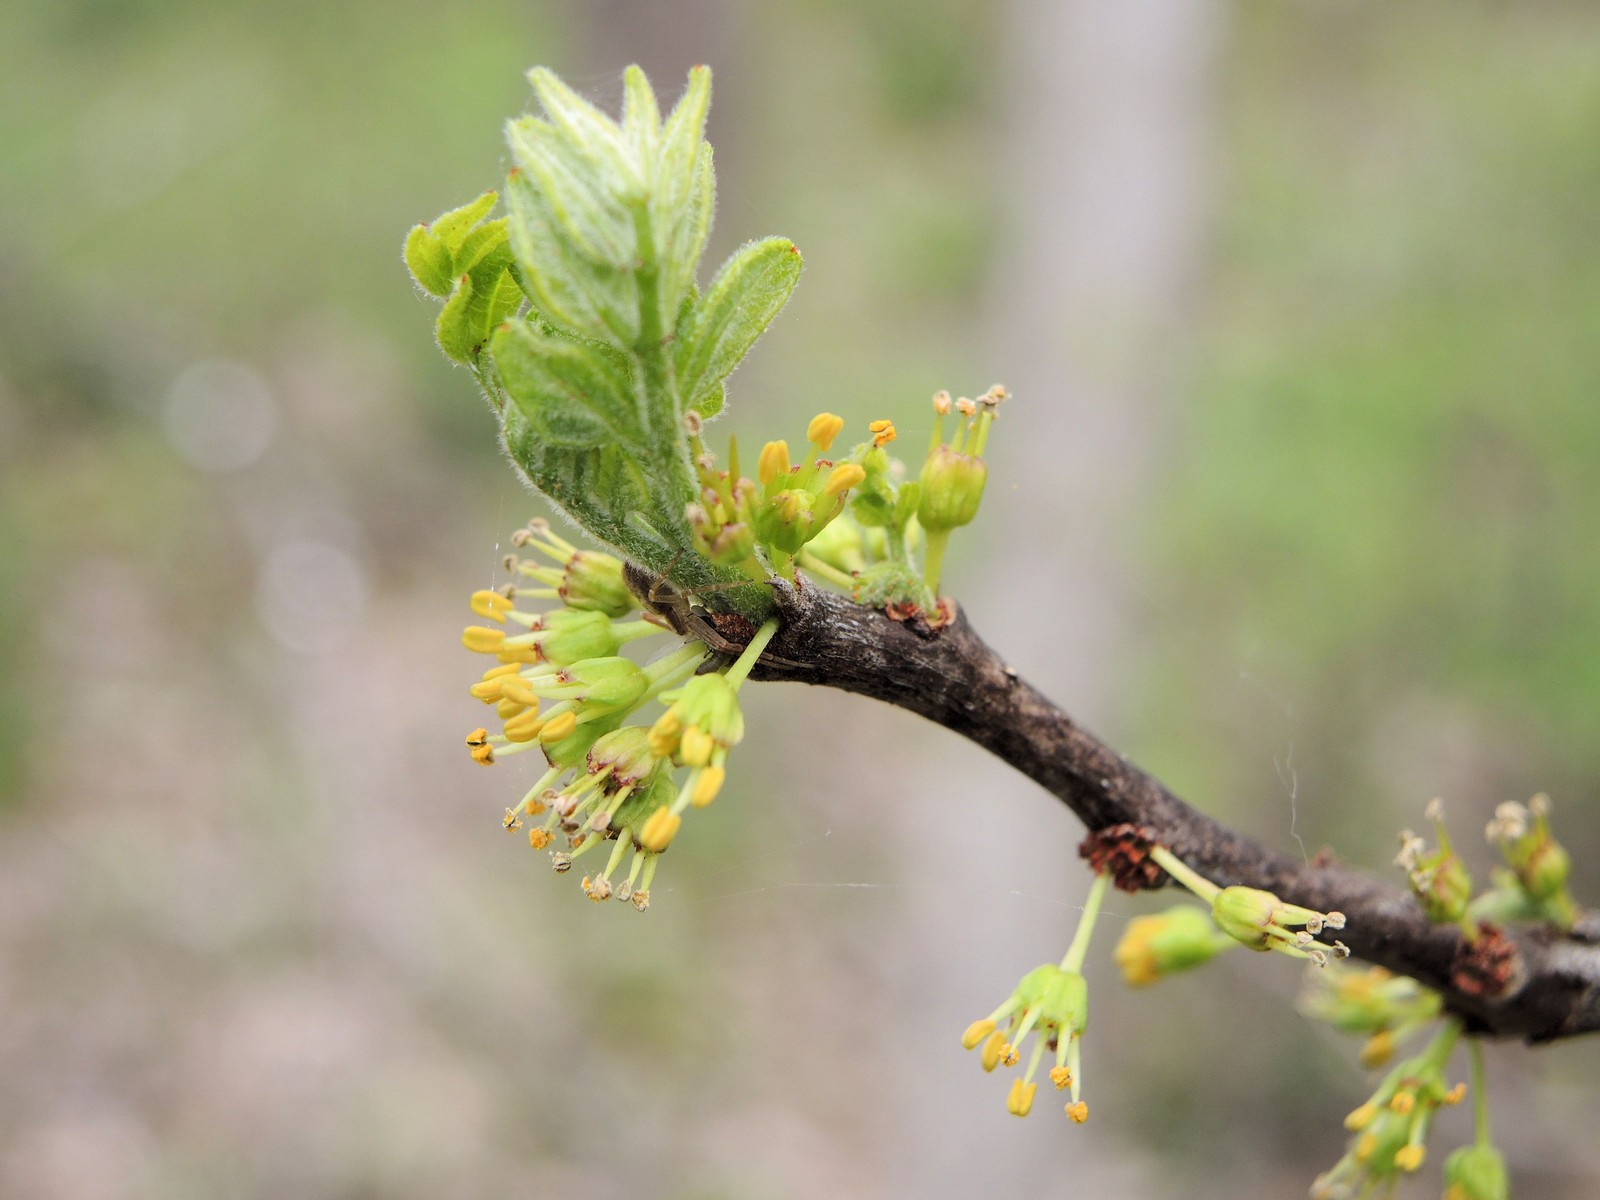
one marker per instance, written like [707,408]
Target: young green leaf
[453,225]
[747,294]
[574,393]
[482,299]
[641,118]
[429,261]
[571,289]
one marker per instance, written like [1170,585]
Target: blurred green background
[1298,502]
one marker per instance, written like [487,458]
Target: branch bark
[1550,982]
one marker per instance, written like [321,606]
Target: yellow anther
[773,462]
[512,820]
[941,402]
[507,709]
[524,728]
[483,755]
[664,734]
[1010,1055]
[501,671]
[844,477]
[1079,1112]
[695,747]
[480,639]
[1379,1049]
[1061,1077]
[993,1050]
[518,655]
[538,839]
[1409,1158]
[1403,1103]
[882,432]
[966,407]
[823,429]
[487,690]
[558,727]
[1456,1094]
[491,605]
[1360,1118]
[535,808]
[976,1032]
[1020,1102]
[660,827]
[706,786]
[478,737]
[516,689]
[1366,1145]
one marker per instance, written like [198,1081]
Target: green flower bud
[702,721]
[607,684]
[873,501]
[1261,921]
[643,801]
[952,489]
[1368,1001]
[569,635]
[593,581]
[627,752]
[1541,863]
[572,751]
[1439,879]
[1059,996]
[1166,943]
[1476,1173]
[840,545]
[786,521]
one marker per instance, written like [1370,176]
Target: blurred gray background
[1298,502]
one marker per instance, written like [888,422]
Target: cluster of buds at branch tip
[563,689]
[738,522]
[1391,1128]
[1258,919]
[1438,878]
[1051,1003]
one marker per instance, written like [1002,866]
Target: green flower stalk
[1052,1003]
[1478,1171]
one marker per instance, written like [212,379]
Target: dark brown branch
[1549,987]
